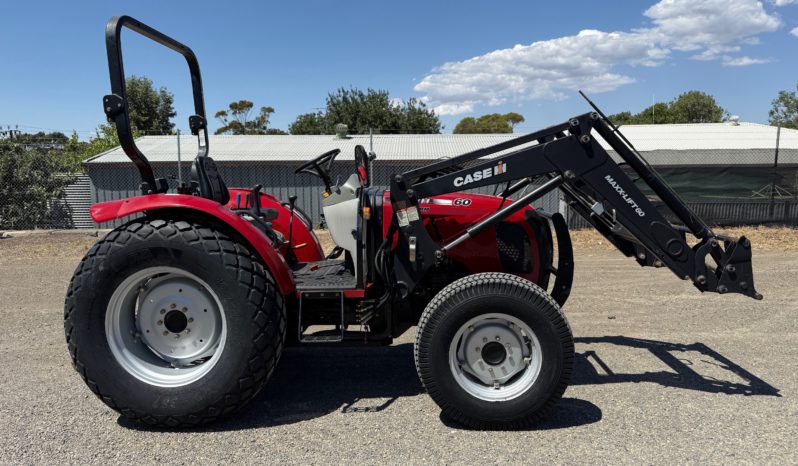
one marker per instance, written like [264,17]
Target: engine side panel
[496,249]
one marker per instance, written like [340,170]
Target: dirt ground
[664,375]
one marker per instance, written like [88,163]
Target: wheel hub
[175,321]
[494,353]
[165,326]
[495,357]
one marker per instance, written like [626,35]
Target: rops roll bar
[115,104]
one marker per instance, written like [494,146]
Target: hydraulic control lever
[255,208]
[291,203]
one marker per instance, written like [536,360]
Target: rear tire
[494,351]
[133,303]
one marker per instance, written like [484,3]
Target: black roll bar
[115,104]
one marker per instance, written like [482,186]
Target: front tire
[173,323]
[494,351]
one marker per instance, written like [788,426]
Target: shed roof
[665,144]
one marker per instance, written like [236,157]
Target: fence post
[179,162]
[775,174]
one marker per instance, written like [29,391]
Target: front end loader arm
[568,157]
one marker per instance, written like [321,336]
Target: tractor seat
[205,176]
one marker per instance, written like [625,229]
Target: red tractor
[179,316]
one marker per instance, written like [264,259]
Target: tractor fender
[112,210]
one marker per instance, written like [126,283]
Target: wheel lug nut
[188,330]
[497,338]
[160,322]
[478,348]
[484,340]
[163,311]
[173,306]
[165,333]
[190,319]
[185,309]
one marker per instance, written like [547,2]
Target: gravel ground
[664,375]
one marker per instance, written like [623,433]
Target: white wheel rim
[495,357]
[165,326]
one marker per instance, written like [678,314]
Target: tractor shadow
[693,366]
[311,382]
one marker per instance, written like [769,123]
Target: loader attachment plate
[733,273]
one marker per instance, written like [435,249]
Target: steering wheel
[317,167]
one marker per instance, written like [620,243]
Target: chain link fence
[725,185]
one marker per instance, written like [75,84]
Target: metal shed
[695,151]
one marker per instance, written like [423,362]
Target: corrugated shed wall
[77,197]
[71,209]
[118,181]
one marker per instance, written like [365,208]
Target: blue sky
[464,58]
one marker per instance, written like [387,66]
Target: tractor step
[328,298]
[324,338]
[352,338]
[323,275]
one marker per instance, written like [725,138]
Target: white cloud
[784,2]
[743,61]
[794,32]
[691,25]
[551,69]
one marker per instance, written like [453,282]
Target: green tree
[35,169]
[371,110]
[784,110]
[150,110]
[415,117]
[696,107]
[514,119]
[237,119]
[105,139]
[30,178]
[622,118]
[657,114]
[53,139]
[310,123]
[490,123]
[689,107]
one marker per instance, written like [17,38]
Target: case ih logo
[500,168]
